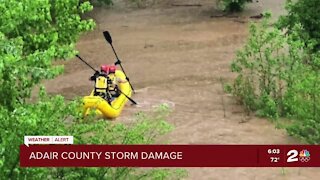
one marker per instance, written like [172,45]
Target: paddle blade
[107,36]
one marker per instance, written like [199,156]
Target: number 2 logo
[292,156]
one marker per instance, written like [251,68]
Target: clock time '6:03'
[273,151]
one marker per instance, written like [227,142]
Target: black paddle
[107,36]
[133,102]
[86,63]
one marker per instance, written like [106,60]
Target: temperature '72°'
[274,159]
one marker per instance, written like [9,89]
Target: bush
[306,13]
[275,78]
[260,83]
[232,5]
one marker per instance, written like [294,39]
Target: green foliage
[261,69]
[45,25]
[32,35]
[276,79]
[144,130]
[44,117]
[52,116]
[306,13]
[227,88]
[232,5]
[100,2]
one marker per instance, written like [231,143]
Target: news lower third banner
[169,156]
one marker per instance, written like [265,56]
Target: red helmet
[112,69]
[105,68]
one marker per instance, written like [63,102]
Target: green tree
[306,13]
[32,35]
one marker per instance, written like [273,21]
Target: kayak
[99,106]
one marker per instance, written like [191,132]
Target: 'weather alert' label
[48,140]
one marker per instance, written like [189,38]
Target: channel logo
[304,156]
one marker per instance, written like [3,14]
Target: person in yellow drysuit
[113,82]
